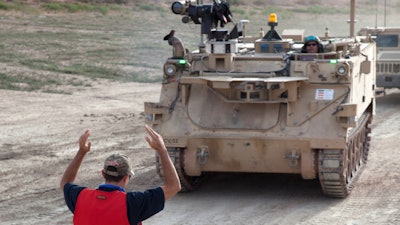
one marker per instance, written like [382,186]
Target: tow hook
[202,155]
[293,158]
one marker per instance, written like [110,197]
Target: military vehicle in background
[259,105]
[388,55]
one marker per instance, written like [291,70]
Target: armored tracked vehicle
[259,105]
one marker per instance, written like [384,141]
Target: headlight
[342,70]
[169,70]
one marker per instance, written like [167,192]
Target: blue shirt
[140,205]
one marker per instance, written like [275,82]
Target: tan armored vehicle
[388,55]
[259,105]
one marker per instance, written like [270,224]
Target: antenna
[352,17]
[376,14]
[385,13]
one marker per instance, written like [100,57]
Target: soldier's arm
[73,167]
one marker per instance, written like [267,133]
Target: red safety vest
[101,208]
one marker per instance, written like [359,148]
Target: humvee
[388,55]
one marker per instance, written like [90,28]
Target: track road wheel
[188,183]
[340,168]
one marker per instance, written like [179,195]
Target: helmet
[312,38]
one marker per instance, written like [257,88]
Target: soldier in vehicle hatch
[312,44]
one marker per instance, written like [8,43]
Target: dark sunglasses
[313,44]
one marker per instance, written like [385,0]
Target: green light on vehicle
[333,61]
[182,61]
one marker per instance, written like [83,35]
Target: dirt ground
[38,138]
[39,134]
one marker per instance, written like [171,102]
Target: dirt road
[38,138]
